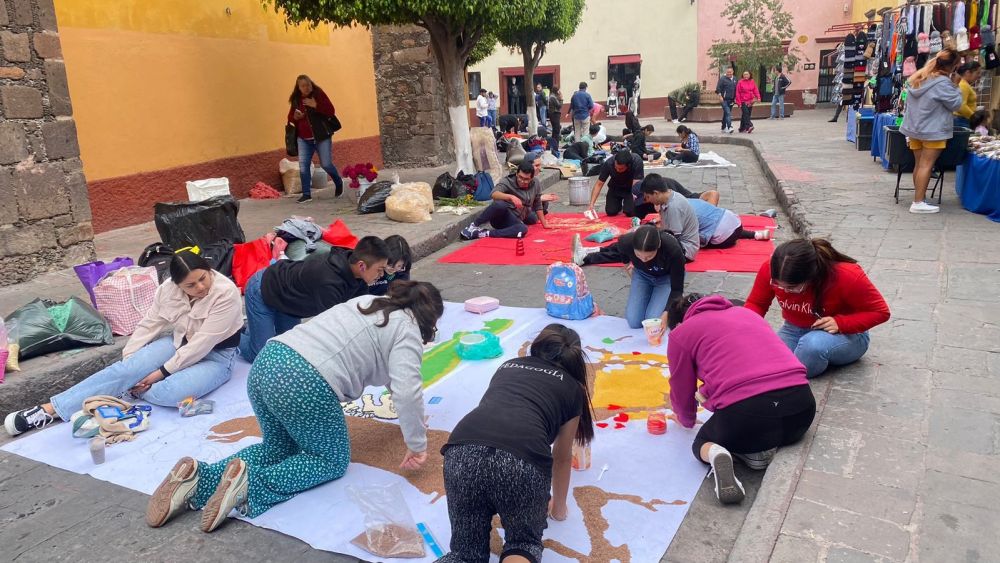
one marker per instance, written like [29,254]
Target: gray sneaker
[578,252]
[757,461]
[470,232]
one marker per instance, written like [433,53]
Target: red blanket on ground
[545,246]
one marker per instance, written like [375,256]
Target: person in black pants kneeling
[506,455]
[751,381]
[621,172]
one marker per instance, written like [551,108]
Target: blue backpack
[566,293]
[484,187]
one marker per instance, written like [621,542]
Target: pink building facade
[812,18]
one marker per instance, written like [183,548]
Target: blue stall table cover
[977,182]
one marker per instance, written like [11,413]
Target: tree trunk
[451,61]
[529,90]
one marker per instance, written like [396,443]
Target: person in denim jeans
[202,307]
[655,261]
[779,84]
[726,89]
[312,114]
[826,299]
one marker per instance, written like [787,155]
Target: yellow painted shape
[157,85]
[631,386]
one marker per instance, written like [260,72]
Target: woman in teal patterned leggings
[296,385]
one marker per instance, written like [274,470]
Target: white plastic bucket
[199,190]
[579,190]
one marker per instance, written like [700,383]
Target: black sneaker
[338,184]
[21,421]
[304,199]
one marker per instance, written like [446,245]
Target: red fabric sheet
[545,246]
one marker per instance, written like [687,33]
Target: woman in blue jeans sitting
[826,299]
[312,114]
[654,259]
[204,311]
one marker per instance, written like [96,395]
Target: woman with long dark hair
[655,262]
[969,74]
[931,97]
[312,114]
[507,454]
[203,311]
[296,386]
[746,94]
[752,383]
[826,299]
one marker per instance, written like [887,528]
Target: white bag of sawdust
[412,202]
[290,179]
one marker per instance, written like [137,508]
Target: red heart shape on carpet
[619,426]
[602,425]
[621,417]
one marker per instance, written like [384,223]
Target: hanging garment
[972,14]
[962,39]
[935,42]
[939,18]
[975,40]
[958,20]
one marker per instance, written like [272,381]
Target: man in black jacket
[280,296]
[780,84]
[726,89]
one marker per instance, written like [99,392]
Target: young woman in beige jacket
[204,310]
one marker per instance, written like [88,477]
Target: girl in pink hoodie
[746,94]
[752,382]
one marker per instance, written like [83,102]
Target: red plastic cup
[656,423]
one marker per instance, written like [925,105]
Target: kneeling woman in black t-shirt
[507,454]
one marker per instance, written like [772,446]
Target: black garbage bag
[49,326]
[200,223]
[447,185]
[373,200]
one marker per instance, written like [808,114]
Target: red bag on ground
[249,258]
[260,190]
[339,235]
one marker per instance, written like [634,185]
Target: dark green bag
[48,326]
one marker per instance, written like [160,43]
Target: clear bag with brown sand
[389,527]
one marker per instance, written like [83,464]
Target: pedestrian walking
[726,89]
[932,95]
[746,94]
[315,121]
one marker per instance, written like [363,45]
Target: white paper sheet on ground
[645,492]
[708,159]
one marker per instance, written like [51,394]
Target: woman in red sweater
[310,111]
[746,94]
[826,299]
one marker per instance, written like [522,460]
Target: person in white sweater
[296,386]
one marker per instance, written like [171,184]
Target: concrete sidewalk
[902,463]
[42,377]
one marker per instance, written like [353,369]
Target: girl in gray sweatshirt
[296,386]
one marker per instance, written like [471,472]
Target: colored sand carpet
[545,246]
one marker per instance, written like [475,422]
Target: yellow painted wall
[663,32]
[162,83]
[859,7]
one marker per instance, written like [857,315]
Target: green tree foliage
[455,28]
[759,27]
[484,48]
[559,21]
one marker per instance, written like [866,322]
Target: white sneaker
[173,494]
[730,130]
[21,421]
[923,207]
[231,493]
[578,252]
[762,235]
[675,121]
[728,488]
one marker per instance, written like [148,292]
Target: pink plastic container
[482,304]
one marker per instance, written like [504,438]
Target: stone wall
[45,221]
[413,117]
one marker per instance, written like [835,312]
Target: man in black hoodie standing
[280,296]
